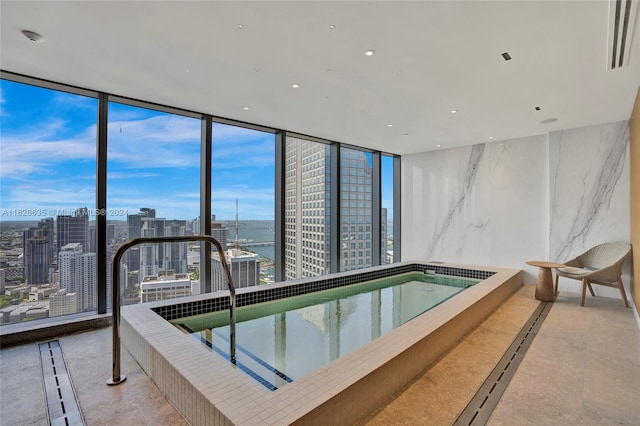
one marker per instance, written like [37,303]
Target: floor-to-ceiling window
[386,212]
[356,221]
[153,181]
[48,193]
[57,143]
[307,207]
[242,187]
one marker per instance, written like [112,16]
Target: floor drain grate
[479,409]
[61,399]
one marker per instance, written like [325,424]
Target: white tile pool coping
[208,390]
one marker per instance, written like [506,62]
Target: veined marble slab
[545,197]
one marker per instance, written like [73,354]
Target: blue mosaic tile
[266,293]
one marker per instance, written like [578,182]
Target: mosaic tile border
[269,293]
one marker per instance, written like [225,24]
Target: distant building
[36,259]
[40,293]
[307,204]
[134,230]
[161,287]
[39,251]
[158,259]
[151,255]
[73,229]
[383,238]
[175,254]
[111,233]
[307,198]
[134,222]
[78,275]
[220,233]
[63,303]
[244,268]
[25,311]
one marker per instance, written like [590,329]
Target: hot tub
[207,389]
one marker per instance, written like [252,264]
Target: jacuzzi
[209,390]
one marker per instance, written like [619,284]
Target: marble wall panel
[589,192]
[545,197]
[477,205]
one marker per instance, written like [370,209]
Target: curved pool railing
[117,377]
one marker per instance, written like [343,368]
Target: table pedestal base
[544,285]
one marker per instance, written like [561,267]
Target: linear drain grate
[61,399]
[481,406]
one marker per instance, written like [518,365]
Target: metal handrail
[118,378]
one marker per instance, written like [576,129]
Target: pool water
[280,341]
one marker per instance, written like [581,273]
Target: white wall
[545,197]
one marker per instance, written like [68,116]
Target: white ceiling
[430,58]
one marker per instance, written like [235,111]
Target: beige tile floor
[582,368]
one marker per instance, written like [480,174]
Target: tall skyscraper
[78,275]
[39,251]
[175,254]
[355,210]
[307,192]
[307,209]
[69,269]
[134,222]
[134,230]
[151,255]
[156,259]
[36,259]
[73,229]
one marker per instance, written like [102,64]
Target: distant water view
[253,231]
[260,231]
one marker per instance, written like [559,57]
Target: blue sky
[47,160]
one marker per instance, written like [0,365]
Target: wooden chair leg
[555,286]
[584,290]
[622,293]
[591,289]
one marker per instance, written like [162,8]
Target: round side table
[544,283]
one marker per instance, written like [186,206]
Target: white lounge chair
[601,264]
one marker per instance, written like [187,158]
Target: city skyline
[48,159]
[48,162]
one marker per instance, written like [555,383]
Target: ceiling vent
[622,19]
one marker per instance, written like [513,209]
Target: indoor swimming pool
[281,341]
[351,370]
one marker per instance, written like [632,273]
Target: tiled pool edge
[343,391]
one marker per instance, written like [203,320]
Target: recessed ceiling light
[331,27]
[295,85]
[240,26]
[438,146]
[246,108]
[490,137]
[369,52]
[389,125]
[549,120]
[187,70]
[34,37]
[453,111]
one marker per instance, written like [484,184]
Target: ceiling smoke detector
[34,37]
